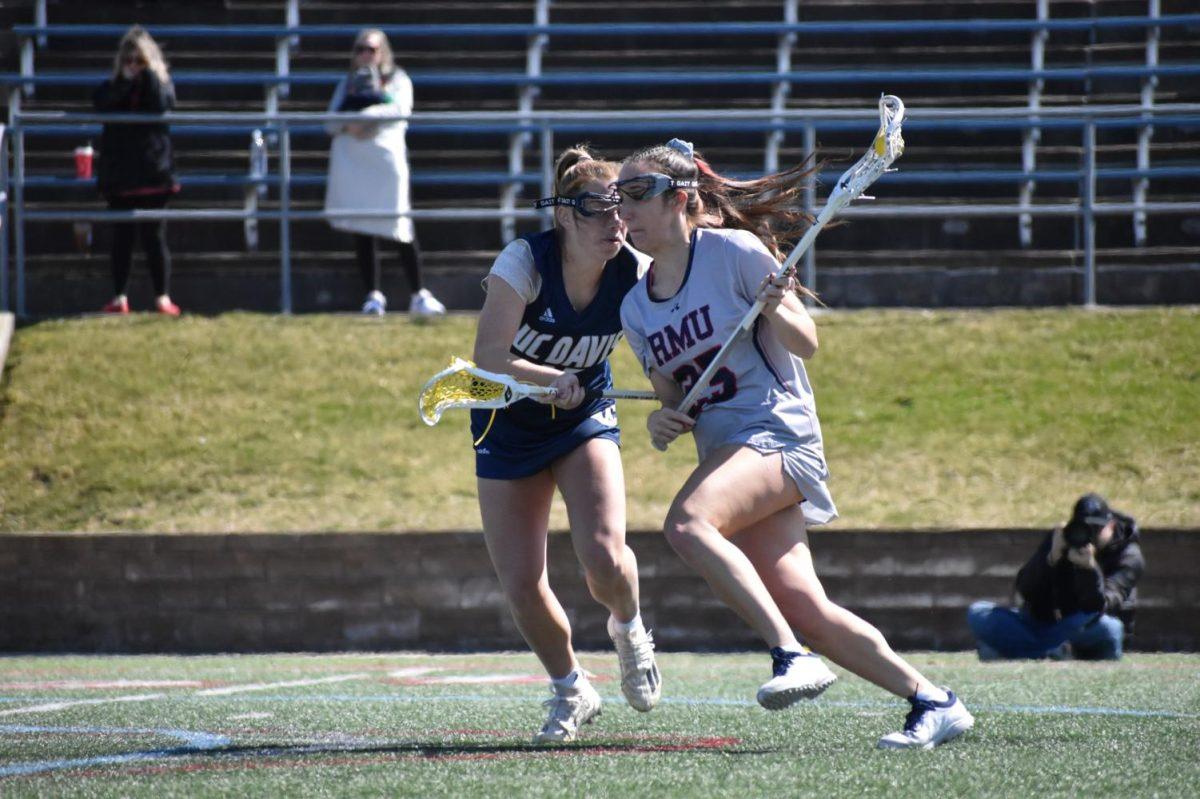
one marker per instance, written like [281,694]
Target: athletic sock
[931,694]
[626,627]
[562,685]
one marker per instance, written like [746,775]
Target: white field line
[482,679]
[70,685]
[49,707]
[52,706]
[265,686]
[411,671]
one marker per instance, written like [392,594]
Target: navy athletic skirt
[513,448]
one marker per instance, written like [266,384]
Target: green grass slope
[265,423]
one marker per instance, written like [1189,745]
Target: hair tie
[683,147]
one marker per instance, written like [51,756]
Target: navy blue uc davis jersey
[553,333]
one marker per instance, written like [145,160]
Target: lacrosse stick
[464,385]
[886,148]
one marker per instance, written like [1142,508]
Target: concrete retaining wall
[247,593]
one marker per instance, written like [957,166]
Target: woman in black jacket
[135,167]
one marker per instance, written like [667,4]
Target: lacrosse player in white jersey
[552,317]
[740,518]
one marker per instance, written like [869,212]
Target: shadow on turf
[452,750]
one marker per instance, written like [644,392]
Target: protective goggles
[589,203]
[652,184]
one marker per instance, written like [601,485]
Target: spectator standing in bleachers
[368,169]
[136,166]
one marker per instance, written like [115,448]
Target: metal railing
[541,31]
[1086,119]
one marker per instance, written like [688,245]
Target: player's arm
[784,313]
[787,316]
[498,324]
[667,424]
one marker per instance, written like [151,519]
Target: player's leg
[515,521]
[734,488]
[778,548]
[593,488]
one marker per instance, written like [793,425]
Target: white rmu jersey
[761,396]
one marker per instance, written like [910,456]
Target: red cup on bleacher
[83,162]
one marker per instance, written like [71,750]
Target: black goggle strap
[658,183]
[581,203]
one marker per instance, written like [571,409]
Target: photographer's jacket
[1052,592]
[135,158]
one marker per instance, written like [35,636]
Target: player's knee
[524,594]
[684,536]
[603,564]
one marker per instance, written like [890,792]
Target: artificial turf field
[413,724]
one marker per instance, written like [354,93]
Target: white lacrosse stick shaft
[887,146]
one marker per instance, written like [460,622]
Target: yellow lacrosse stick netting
[462,385]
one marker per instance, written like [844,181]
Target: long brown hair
[766,206]
[578,165]
[138,40]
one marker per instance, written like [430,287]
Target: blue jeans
[1007,633]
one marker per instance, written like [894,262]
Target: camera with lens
[1080,535]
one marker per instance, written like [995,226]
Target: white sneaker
[376,304]
[929,724]
[798,675]
[425,304]
[640,680]
[569,710]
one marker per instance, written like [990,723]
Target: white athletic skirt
[803,461]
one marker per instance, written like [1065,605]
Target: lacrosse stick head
[886,148]
[461,385]
[889,144]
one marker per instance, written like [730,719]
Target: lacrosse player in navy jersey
[739,519]
[552,317]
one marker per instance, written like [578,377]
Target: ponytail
[578,165]
[768,207]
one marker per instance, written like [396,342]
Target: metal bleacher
[755,84]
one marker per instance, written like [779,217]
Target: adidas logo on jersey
[483,451]
[547,317]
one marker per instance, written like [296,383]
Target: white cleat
[640,681]
[425,304]
[929,724]
[798,675]
[569,711]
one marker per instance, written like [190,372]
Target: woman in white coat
[368,168]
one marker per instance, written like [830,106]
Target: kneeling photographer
[1078,592]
